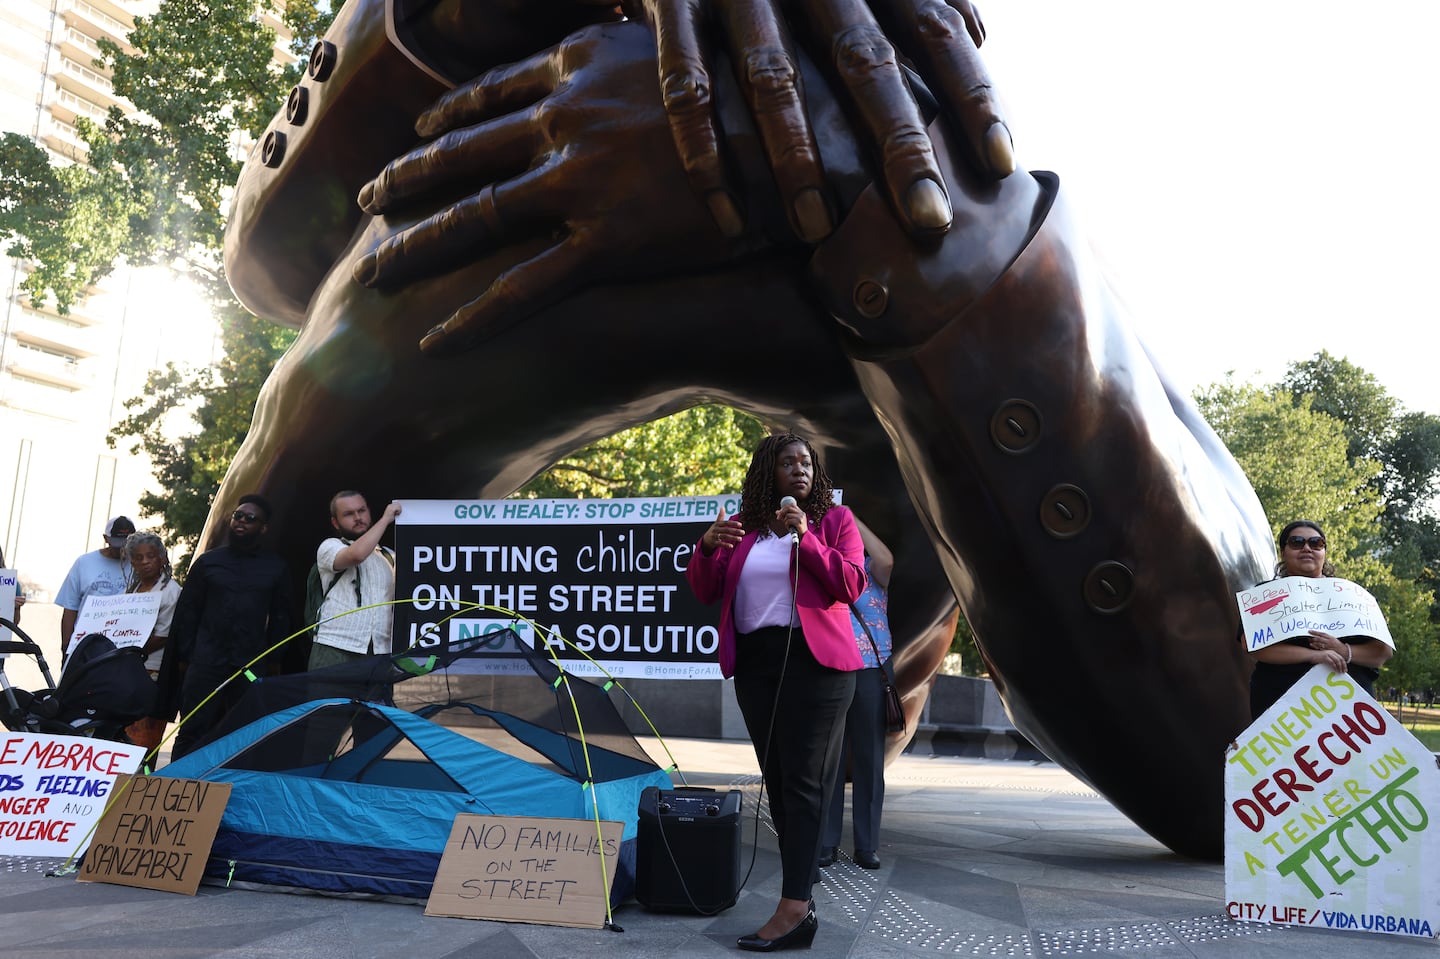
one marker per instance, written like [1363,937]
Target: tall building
[64,378]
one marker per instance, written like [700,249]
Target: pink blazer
[832,575]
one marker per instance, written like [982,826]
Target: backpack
[315,593]
[316,590]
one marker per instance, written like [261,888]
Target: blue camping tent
[356,798]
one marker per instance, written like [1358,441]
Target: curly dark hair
[759,500]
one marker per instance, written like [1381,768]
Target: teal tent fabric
[352,797]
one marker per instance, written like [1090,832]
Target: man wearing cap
[101,573]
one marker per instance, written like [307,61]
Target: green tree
[1299,460]
[1405,444]
[1353,396]
[971,661]
[1416,663]
[1296,459]
[218,403]
[69,220]
[203,79]
[701,451]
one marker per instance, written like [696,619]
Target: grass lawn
[1423,723]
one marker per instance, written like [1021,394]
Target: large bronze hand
[570,145]
[455,38]
[939,38]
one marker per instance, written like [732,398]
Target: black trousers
[200,680]
[865,743]
[799,753]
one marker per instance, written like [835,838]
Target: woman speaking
[784,571]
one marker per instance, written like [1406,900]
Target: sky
[1257,178]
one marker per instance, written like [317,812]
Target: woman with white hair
[148,570]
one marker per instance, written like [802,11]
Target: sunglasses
[240,516]
[1314,542]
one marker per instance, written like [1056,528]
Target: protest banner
[517,869]
[1289,607]
[126,619]
[9,583]
[607,575]
[156,833]
[53,790]
[1328,815]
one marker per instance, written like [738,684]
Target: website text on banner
[1330,815]
[1291,606]
[607,575]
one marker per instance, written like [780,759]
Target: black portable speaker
[689,833]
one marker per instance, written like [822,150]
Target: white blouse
[762,596]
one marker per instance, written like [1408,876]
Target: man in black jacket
[233,610]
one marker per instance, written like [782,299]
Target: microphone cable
[764,760]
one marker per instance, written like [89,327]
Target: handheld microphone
[794,529]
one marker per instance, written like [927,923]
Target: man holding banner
[351,622]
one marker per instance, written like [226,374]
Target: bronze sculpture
[982,373]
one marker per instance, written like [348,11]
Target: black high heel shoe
[799,937]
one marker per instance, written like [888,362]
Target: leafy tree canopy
[1324,445]
[1295,458]
[1377,428]
[201,75]
[70,220]
[218,403]
[203,78]
[698,452]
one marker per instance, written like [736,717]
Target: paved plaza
[979,858]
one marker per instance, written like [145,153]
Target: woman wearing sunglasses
[1278,666]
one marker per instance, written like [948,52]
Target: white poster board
[54,788]
[9,580]
[1331,815]
[1289,607]
[126,619]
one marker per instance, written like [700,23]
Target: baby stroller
[102,690]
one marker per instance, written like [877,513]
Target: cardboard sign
[54,788]
[516,869]
[127,619]
[1332,815]
[1288,608]
[156,833]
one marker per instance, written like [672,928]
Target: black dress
[1270,681]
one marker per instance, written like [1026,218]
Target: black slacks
[865,742]
[200,680]
[800,753]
